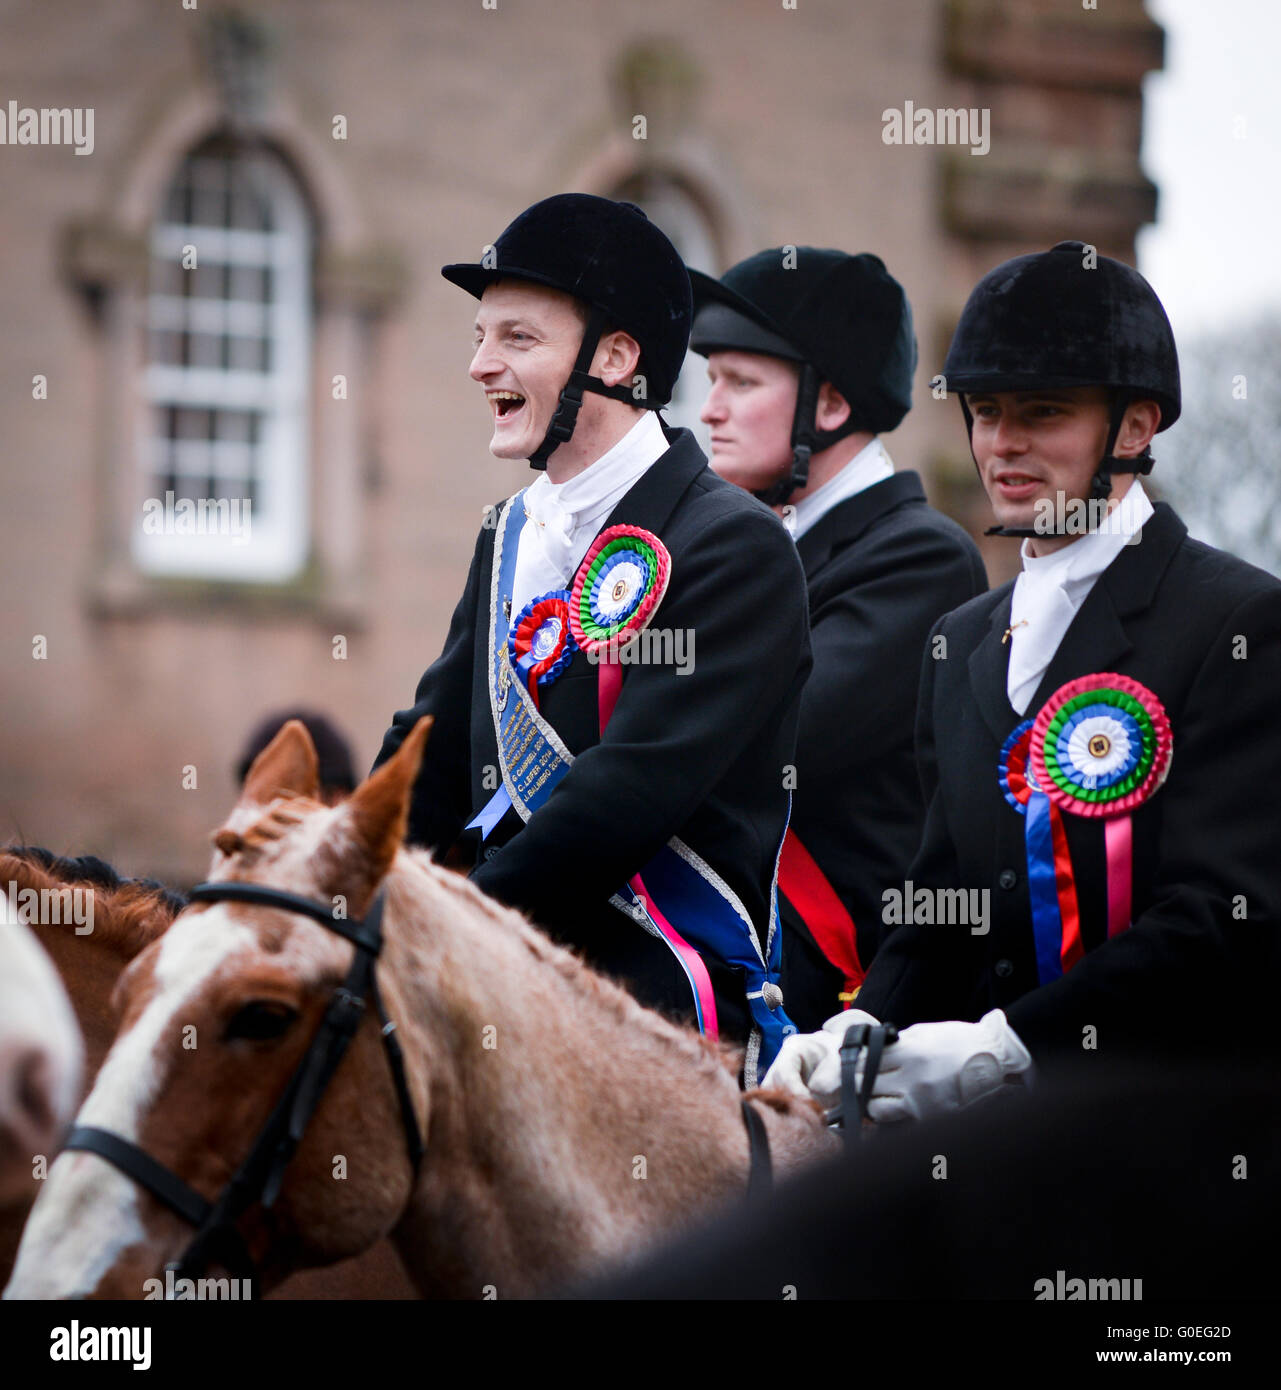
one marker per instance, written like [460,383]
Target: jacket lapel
[1097,639]
[652,498]
[848,520]
[989,662]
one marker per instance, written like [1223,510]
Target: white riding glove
[809,1064]
[934,1067]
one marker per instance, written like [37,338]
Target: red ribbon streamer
[1071,948]
[822,911]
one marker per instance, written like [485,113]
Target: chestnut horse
[128,914]
[566,1127]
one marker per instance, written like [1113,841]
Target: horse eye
[261,1021]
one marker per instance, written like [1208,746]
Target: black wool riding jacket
[1201,630]
[699,755]
[881,568]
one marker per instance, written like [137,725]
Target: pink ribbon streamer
[1118,842]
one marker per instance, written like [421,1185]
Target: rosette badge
[1101,746]
[541,643]
[617,588]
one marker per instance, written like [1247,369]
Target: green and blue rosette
[1101,747]
[618,588]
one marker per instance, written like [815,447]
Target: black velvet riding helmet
[615,260]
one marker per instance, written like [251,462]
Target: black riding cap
[1066,317]
[610,256]
[846,315]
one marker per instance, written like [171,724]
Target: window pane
[233,426]
[249,282]
[192,424]
[246,354]
[206,349]
[166,348]
[208,280]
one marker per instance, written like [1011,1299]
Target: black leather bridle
[260,1176]
[875,1037]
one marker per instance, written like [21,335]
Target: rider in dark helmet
[1092,737]
[810,357]
[623,273]
[618,693]
[844,324]
[1068,318]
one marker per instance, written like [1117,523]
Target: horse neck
[563,1118]
[89,967]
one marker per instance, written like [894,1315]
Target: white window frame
[278,542]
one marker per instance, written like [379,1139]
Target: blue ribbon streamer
[491,813]
[1047,924]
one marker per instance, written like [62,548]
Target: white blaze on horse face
[41,1053]
[88,1214]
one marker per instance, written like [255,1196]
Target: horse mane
[287,810]
[609,997]
[139,909]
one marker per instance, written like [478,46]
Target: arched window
[224,443]
[668,204]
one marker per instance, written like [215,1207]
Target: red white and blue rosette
[1101,746]
[541,644]
[618,587]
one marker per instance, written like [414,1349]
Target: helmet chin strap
[560,428]
[1100,483]
[807,439]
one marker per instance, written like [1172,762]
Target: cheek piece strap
[561,426]
[807,438]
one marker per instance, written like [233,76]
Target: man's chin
[510,448]
[1021,520]
[745,478]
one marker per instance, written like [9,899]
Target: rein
[260,1177]
[875,1038]
[760,1171]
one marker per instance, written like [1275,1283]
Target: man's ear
[1138,425]
[617,358]
[832,410]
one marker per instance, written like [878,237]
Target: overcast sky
[1212,144]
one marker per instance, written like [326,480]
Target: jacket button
[1007,878]
[491,850]
[1005,968]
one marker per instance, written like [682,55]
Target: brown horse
[125,915]
[566,1127]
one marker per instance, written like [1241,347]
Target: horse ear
[377,812]
[287,764]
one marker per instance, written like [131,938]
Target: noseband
[260,1176]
